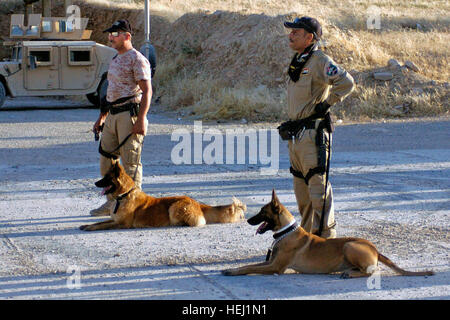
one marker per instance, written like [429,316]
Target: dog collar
[286,229]
[119,198]
[280,234]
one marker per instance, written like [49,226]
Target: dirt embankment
[226,64]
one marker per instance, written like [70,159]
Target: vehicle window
[69,26]
[65,26]
[41,56]
[32,31]
[62,26]
[16,54]
[80,56]
[16,30]
[46,26]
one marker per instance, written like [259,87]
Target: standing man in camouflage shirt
[315,84]
[124,116]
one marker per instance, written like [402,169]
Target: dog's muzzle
[265,226]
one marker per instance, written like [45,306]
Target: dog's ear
[275,202]
[116,168]
[274,197]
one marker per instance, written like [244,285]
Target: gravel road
[391,183]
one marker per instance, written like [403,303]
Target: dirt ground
[391,184]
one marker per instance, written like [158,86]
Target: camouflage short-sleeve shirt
[124,72]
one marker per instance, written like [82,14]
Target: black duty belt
[105,105]
[126,107]
[309,124]
[291,128]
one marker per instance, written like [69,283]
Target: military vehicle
[53,56]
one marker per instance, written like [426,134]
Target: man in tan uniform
[123,117]
[315,84]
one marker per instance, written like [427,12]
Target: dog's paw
[86,227]
[228,272]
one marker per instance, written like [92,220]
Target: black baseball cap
[120,25]
[311,25]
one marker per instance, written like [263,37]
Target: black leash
[111,155]
[327,171]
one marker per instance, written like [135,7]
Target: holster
[321,141]
[328,122]
[289,129]
[133,108]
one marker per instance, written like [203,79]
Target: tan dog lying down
[307,253]
[135,209]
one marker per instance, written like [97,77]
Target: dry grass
[210,99]
[231,63]
[232,51]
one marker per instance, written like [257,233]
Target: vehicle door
[44,73]
[78,67]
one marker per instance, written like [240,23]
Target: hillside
[228,59]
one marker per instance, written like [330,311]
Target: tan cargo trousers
[303,157]
[116,128]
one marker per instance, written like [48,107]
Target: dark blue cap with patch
[120,25]
[311,25]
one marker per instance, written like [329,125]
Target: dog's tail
[399,270]
[233,212]
[239,207]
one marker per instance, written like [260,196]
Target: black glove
[286,130]
[322,108]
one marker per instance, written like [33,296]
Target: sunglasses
[116,33]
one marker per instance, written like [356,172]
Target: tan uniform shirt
[321,80]
[124,72]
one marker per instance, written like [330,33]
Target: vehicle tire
[2,94]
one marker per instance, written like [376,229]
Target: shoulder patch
[331,70]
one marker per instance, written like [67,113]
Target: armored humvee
[51,56]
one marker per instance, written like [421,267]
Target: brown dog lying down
[307,253]
[135,209]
